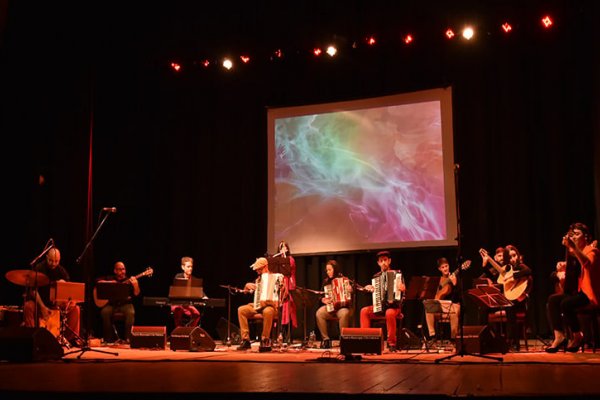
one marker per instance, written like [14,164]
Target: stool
[499,318]
[588,317]
[117,316]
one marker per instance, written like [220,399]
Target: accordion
[386,290]
[267,290]
[339,293]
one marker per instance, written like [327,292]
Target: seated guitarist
[52,268]
[520,272]
[447,290]
[123,306]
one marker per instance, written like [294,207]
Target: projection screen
[362,175]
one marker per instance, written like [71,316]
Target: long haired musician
[337,301]
[447,291]
[388,299]
[288,312]
[581,273]
[269,290]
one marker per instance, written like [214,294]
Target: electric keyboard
[197,302]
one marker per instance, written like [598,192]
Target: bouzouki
[102,302]
[513,289]
[445,288]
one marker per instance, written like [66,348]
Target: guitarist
[55,272]
[122,306]
[520,272]
[447,290]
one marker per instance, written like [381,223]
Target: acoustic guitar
[445,288]
[513,289]
[102,302]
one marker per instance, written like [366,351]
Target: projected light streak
[381,172]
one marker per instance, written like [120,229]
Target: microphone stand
[49,245]
[86,347]
[461,342]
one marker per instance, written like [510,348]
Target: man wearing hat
[268,309]
[391,309]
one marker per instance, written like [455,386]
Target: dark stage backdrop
[183,156]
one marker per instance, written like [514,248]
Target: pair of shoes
[244,345]
[392,348]
[265,345]
[554,349]
[575,345]
[432,344]
[326,344]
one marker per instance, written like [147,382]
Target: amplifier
[361,340]
[153,337]
[191,339]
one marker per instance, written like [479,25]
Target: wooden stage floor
[298,373]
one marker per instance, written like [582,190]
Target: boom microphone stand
[461,343]
[86,347]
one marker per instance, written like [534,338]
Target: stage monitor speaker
[22,344]
[480,339]
[153,337]
[408,340]
[361,340]
[191,339]
[234,331]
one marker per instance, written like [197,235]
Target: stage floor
[296,372]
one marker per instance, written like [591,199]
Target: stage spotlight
[245,59]
[408,39]
[205,63]
[449,33]
[506,27]
[278,53]
[227,64]
[332,51]
[176,66]
[468,33]
[317,51]
[371,40]
[547,21]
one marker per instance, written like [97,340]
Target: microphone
[110,209]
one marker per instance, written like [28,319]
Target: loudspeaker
[408,340]
[361,340]
[154,337]
[480,339]
[191,339]
[234,331]
[23,344]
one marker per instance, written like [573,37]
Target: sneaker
[244,345]
[326,344]
[265,345]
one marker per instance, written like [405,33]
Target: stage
[295,372]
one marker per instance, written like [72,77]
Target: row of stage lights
[467,33]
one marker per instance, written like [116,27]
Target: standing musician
[390,308]
[56,273]
[268,308]
[124,306]
[329,311]
[581,275]
[447,290]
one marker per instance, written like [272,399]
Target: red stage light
[449,33]
[408,39]
[506,27]
[245,59]
[547,21]
[278,53]
[317,52]
[205,63]
[371,40]
[175,66]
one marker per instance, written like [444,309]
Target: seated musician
[328,311]
[185,310]
[123,306]
[48,318]
[447,290]
[268,308]
[391,309]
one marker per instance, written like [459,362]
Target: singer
[288,314]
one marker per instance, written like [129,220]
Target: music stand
[307,298]
[280,265]
[230,291]
[421,288]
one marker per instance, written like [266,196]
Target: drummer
[55,272]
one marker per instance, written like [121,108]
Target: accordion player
[387,291]
[268,291]
[339,292]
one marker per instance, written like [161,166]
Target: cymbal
[27,277]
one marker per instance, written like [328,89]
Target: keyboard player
[182,312]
